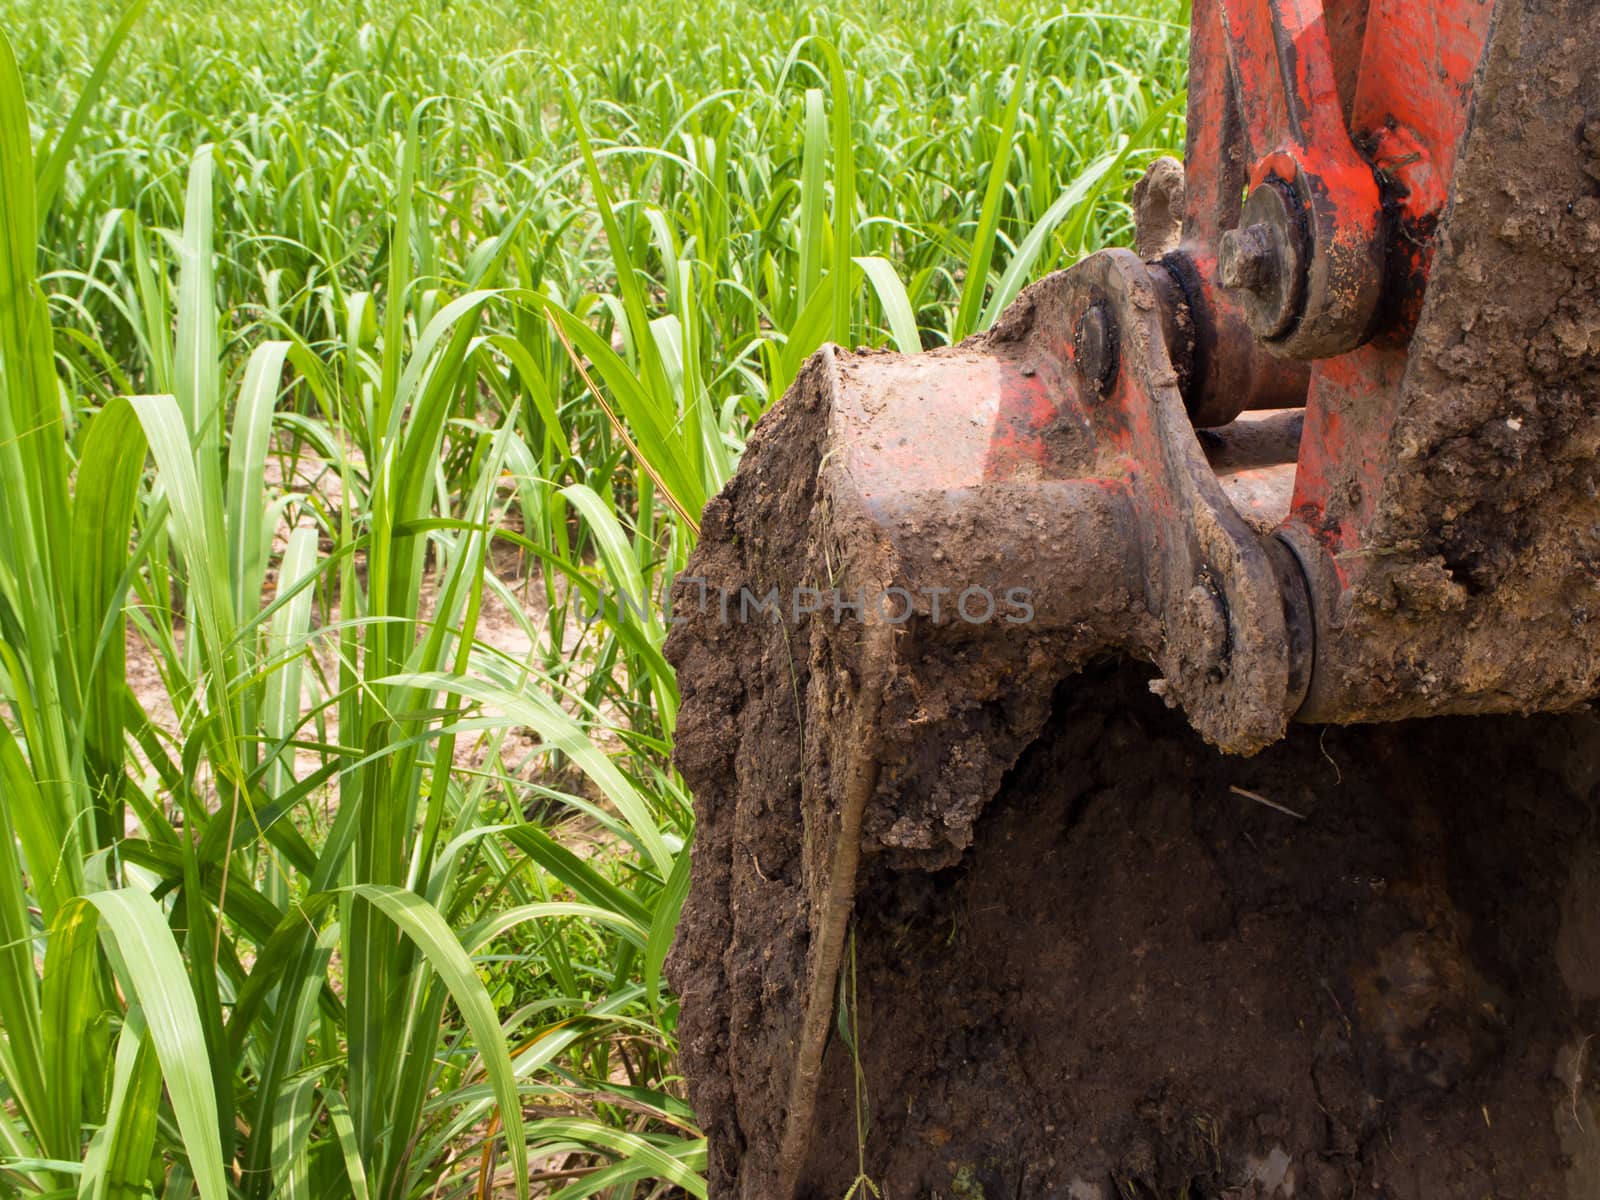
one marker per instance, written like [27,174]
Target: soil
[1143,982]
[1366,962]
[1158,208]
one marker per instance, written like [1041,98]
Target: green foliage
[363,373]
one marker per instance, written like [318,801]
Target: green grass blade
[422,924]
[896,304]
[631,1172]
[18,223]
[53,167]
[156,975]
[653,371]
[110,468]
[195,370]
[560,732]
[21,1021]
[502,922]
[35,557]
[197,530]
[248,539]
[615,552]
[70,1003]
[813,201]
[654,428]
[1022,262]
[661,1165]
[805,336]
[132,1116]
[844,194]
[51,851]
[399,272]
[588,883]
[344,1129]
[664,925]
[983,240]
[280,710]
[291,1137]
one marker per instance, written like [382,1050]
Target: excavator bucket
[1144,751]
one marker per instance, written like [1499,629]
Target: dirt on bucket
[1366,962]
[1363,963]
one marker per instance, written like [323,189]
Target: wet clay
[1361,963]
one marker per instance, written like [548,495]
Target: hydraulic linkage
[1338,428]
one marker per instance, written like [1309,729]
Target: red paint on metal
[1357,107]
[1368,100]
[1347,28]
[1410,109]
[1287,88]
[1216,171]
[1029,405]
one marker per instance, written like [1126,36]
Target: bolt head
[1248,259]
[1095,346]
[1264,261]
[1204,626]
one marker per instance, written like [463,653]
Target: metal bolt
[1095,344]
[1205,626]
[1248,259]
[1264,261]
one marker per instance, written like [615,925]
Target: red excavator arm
[1390,515]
